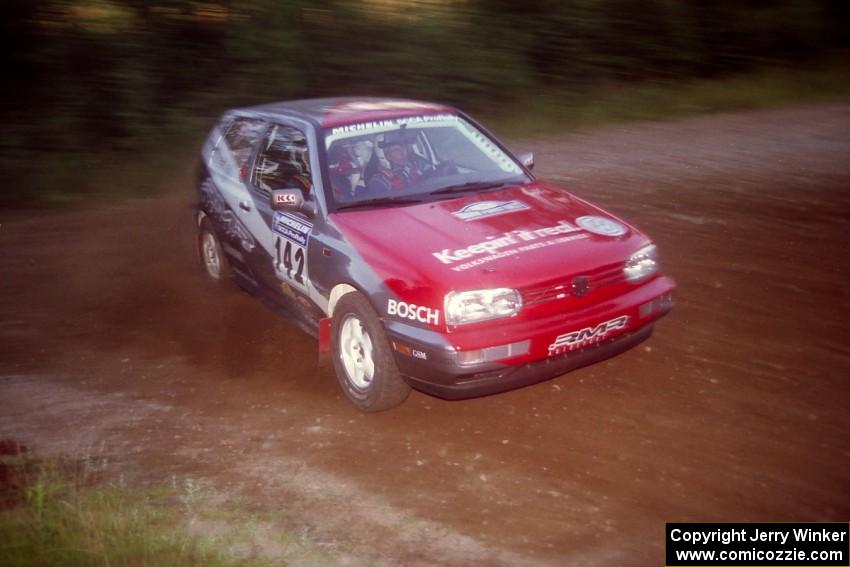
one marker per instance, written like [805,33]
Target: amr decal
[583,337]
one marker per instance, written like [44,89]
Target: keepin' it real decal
[518,241]
[509,244]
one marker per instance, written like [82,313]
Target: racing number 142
[287,260]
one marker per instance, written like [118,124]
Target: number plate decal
[292,233]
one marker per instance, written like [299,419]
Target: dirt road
[738,408]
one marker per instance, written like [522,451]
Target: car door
[283,161]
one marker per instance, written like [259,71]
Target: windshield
[411,159]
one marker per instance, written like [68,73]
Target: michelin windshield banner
[762,545]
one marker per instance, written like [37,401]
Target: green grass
[73,179]
[604,104]
[53,513]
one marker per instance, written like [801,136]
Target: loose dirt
[737,409]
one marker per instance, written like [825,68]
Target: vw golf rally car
[418,249]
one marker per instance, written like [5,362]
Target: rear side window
[241,136]
[284,160]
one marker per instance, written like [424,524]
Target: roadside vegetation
[106,98]
[612,103]
[61,512]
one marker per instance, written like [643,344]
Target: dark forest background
[93,81]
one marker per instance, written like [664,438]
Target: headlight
[642,264]
[462,307]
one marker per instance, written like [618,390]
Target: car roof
[340,111]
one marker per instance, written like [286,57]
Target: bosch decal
[589,335]
[601,226]
[484,209]
[292,228]
[413,312]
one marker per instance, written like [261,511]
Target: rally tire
[211,255]
[362,359]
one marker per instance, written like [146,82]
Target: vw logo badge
[581,285]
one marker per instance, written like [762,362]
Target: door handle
[245,206]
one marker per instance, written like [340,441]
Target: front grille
[563,287]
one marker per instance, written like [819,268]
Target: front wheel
[362,359]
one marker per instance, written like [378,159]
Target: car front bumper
[429,361]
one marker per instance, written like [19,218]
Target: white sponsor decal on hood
[484,209]
[601,226]
[508,239]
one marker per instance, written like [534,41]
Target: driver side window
[283,161]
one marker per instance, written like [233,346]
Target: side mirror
[527,159]
[291,200]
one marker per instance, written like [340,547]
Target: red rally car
[418,249]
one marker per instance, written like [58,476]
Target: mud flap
[325,325]
[325,363]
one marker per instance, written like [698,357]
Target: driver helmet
[399,137]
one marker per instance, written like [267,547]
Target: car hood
[515,237]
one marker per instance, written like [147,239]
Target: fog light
[489,354]
[660,304]
[466,357]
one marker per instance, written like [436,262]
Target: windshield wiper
[377,201]
[471,186]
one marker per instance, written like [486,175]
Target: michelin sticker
[392,122]
[291,228]
[601,226]
[484,209]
